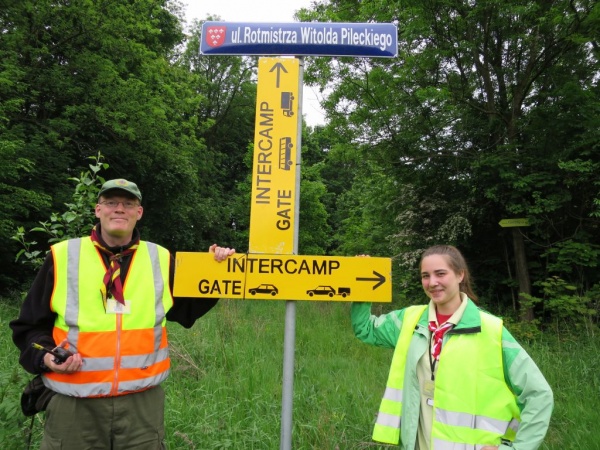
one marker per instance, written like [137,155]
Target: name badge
[114,307]
[429,388]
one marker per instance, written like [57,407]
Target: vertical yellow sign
[276,155]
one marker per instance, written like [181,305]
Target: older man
[106,298]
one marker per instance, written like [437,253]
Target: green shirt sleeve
[381,331]
[534,394]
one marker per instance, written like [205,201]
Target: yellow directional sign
[522,222]
[276,155]
[283,277]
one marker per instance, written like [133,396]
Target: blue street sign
[300,38]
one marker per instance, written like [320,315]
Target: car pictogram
[264,289]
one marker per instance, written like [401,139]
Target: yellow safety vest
[472,404]
[122,353]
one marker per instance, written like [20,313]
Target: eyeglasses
[126,204]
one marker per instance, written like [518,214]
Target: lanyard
[433,361]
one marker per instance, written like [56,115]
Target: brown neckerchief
[111,286]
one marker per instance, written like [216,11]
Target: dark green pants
[128,422]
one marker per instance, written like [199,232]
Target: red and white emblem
[215,36]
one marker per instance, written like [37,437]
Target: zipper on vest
[115,386]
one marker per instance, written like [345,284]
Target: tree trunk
[522,272]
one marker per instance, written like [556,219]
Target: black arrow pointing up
[278,67]
[380,278]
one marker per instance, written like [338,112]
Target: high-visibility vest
[122,353]
[472,404]
[387,426]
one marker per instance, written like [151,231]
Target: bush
[77,221]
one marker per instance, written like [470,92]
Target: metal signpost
[275,201]
[272,269]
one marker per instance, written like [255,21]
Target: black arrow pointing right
[380,278]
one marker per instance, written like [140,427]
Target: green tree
[314,235]
[77,220]
[227,91]
[490,111]
[77,77]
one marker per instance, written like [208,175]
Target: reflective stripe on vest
[460,419]
[387,425]
[476,360]
[130,351]
[438,444]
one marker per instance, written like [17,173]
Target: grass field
[225,388]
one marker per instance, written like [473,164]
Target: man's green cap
[122,185]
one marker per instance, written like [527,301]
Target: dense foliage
[79,78]
[490,111]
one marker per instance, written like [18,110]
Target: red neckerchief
[112,286]
[438,337]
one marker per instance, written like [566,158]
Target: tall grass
[225,388]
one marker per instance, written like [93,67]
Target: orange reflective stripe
[83,377]
[135,342]
[59,335]
[102,343]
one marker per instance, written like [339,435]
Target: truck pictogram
[287,103]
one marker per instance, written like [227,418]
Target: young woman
[458,379]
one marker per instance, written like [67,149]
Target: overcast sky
[264,11]
[245,11]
